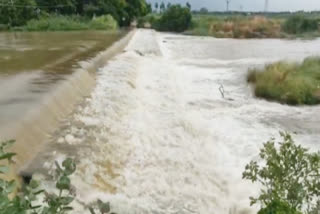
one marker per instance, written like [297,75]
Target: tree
[176,19]
[135,9]
[13,15]
[168,5]
[162,7]
[124,11]
[149,8]
[65,7]
[204,10]
[290,177]
[156,5]
[188,5]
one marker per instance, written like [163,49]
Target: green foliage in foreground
[290,178]
[298,24]
[175,19]
[68,23]
[290,83]
[28,200]
[278,207]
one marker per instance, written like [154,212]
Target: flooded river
[33,63]
[157,137]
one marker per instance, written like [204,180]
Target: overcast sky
[250,5]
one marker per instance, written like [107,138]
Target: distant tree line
[18,12]
[162,7]
[174,18]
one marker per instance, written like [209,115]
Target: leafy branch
[290,176]
[27,200]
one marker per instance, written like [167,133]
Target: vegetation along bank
[289,83]
[179,18]
[41,15]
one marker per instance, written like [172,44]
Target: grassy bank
[69,23]
[290,83]
[255,26]
[236,26]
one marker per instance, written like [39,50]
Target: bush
[69,23]
[300,24]
[147,21]
[288,83]
[27,200]
[236,26]
[56,23]
[278,207]
[175,19]
[106,22]
[289,175]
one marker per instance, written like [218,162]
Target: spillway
[156,136]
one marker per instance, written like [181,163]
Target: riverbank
[35,98]
[255,26]
[289,83]
[66,23]
[238,25]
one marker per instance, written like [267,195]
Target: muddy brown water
[31,63]
[42,76]
[155,135]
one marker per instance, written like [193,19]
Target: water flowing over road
[156,135]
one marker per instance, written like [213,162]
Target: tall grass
[70,23]
[290,83]
[298,24]
[236,27]
[255,26]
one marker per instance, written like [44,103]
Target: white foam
[159,138]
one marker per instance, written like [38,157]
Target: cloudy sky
[250,5]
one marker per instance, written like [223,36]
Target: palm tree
[162,7]
[156,5]
[188,5]
[168,5]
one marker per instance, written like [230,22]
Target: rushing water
[156,136]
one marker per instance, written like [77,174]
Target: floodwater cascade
[156,136]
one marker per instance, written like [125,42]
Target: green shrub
[300,24]
[278,207]
[23,202]
[56,23]
[105,22]
[147,21]
[175,19]
[69,23]
[236,26]
[289,175]
[3,27]
[290,83]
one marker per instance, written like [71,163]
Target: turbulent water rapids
[156,136]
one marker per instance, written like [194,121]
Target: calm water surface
[31,63]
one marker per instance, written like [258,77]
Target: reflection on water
[31,63]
